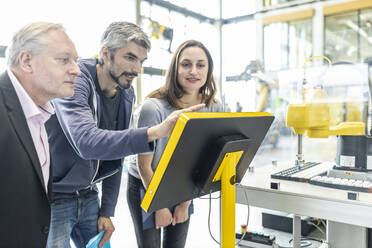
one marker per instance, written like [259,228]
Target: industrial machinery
[317,115]
[314,120]
[312,115]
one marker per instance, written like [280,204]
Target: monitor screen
[194,151]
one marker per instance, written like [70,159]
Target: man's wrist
[152,133]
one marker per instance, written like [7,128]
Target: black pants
[173,236]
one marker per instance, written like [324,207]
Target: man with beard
[89,137]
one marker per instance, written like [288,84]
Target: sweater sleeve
[110,194]
[76,117]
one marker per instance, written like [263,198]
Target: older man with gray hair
[89,137]
[41,66]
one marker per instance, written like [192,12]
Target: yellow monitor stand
[207,152]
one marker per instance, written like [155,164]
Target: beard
[127,84]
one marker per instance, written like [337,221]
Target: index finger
[106,237]
[194,108]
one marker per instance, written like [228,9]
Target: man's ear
[24,61]
[105,53]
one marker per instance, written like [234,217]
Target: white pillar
[318,32]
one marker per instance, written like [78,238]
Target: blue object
[93,242]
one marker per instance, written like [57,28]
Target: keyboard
[345,180]
[302,173]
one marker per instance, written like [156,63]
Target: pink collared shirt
[36,116]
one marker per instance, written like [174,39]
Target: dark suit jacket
[24,204]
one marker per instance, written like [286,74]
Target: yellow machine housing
[314,120]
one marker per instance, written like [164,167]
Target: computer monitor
[199,141]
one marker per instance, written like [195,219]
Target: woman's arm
[144,168]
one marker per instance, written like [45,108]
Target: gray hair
[118,34]
[30,38]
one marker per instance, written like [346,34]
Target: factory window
[341,37]
[287,44]
[168,29]
[267,3]
[366,34]
[276,46]
[230,10]
[348,36]
[239,49]
[300,42]
[239,46]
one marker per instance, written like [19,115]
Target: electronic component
[342,183]
[254,239]
[284,222]
[302,173]
[275,185]
[353,196]
[344,179]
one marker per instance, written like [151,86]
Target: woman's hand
[181,213]
[163,218]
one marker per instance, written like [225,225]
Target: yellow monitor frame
[190,164]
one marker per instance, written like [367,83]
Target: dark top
[110,109]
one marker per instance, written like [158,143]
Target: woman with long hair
[189,81]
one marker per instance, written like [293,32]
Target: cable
[209,217]
[314,239]
[320,56]
[309,222]
[302,244]
[305,242]
[213,198]
[248,213]
[324,224]
[304,76]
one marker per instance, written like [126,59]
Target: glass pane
[229,8]
[150,83]
[207,8]
[244,46]
[159,14]
[366,34]
[268,3]
[276,46]
[300,42]
[178,23]
[184,28]
[237,53]
[145,9]
[341,37]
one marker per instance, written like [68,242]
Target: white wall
[83,20]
